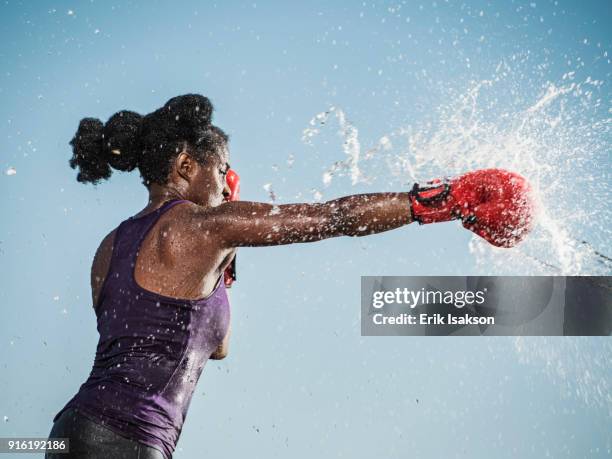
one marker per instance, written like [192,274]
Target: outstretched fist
[495,204]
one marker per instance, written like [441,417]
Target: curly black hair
[150,143]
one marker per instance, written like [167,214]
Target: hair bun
[121,140]
[190,113]
[87,152]
[129,140]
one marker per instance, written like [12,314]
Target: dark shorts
[90,440]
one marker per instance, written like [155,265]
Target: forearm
[356,215]
[255,224]
[363,214]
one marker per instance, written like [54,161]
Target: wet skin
[191,244]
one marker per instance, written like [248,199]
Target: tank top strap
[129,237]
[139,227]
[144,224]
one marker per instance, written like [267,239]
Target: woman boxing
[159,279]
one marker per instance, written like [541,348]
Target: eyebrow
[228,167]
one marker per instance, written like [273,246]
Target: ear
[185,166]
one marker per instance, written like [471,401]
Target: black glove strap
[441,196]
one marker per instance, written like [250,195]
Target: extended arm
[495,204]
[243,223]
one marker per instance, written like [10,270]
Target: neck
[159,194]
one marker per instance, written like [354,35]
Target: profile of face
[205,184]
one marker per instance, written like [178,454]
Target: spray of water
[558,137]
[557,140]
[579,367]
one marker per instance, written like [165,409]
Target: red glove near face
[233,182]
[493,203]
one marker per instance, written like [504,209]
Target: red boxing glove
[233,182]
[493,203]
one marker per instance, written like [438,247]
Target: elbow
[220,352]
[219,355]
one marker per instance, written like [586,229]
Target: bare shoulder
[101,263]
[204,221]
[185,232]
[105,249]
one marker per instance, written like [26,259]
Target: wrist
[433,203]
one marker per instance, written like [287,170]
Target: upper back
[173,258]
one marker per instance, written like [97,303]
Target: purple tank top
[152,348]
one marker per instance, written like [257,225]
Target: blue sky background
[300,381]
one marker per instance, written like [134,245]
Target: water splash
[270,191]
[558,139]
[558,136]
[579,367]
[350,144]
